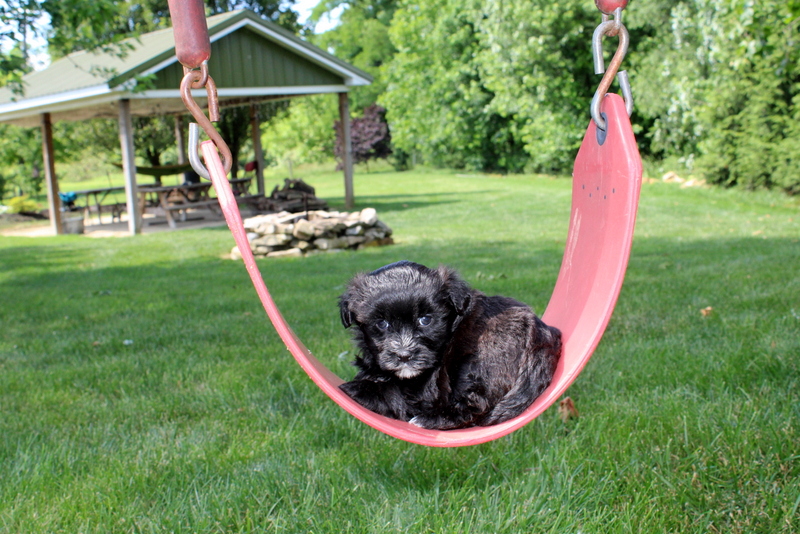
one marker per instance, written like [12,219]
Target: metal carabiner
[196,79]
[610,27]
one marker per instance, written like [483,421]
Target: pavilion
[252,61]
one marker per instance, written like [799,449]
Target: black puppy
[441,355]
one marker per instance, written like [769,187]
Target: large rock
[272,240]
[288,253]
[303,229]
[369,216]
[327,243]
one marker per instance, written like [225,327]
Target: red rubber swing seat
[607,179]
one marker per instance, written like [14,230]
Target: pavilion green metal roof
[251,58]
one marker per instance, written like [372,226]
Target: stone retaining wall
[298,234]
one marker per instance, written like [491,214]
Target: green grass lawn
[143,390]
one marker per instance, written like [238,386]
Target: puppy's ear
[351,299]
[344,310]
[458,292]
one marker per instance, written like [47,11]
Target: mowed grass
[142,389]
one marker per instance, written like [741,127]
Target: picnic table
[170,198]
[93,198]
[180,198]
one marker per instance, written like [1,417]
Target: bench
[116,209]
[191,196]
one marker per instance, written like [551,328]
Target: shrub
[22,204]
[370,136]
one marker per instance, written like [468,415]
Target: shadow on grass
[668,284]
[727,275]
[401,202]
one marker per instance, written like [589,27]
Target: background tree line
[505,86]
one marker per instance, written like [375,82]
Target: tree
[103,24]
[301,132]
[17,19]
[437,101]
[362,39]
[370,137]
[720,81]
[20,154]
[535,58]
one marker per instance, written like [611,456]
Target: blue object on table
[68,200]
[68,197]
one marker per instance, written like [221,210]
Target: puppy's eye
[382,324]
[425,320]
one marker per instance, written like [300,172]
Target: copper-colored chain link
[197,79]
[193,50]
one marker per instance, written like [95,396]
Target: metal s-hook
[196,79]
[194,155]
[610,27]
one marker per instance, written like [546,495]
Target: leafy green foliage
[362,39]
[103,24]
[719,83]
[370,137]
[20,159]
[277,11]
[303,132]
[506,85]
[535,58]
[752,116]
[89,25]
[437,102]
[152,137]
[22,204]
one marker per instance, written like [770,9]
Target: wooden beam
[255,133]
[344,117]
[180,140]
[129,167]
[53,202]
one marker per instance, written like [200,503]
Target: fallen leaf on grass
[705,312]
[567,410]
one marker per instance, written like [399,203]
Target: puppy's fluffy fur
[436,353]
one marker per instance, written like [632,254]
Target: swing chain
[613,27]
[199,79]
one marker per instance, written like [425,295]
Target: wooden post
[129,166]
[53,202]
[180,139]
[344,117]
[255,132]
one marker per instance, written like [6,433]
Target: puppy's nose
[404,356]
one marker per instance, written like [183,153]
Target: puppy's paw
[417,421]
[426,421]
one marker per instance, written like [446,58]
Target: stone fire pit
[287,234]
